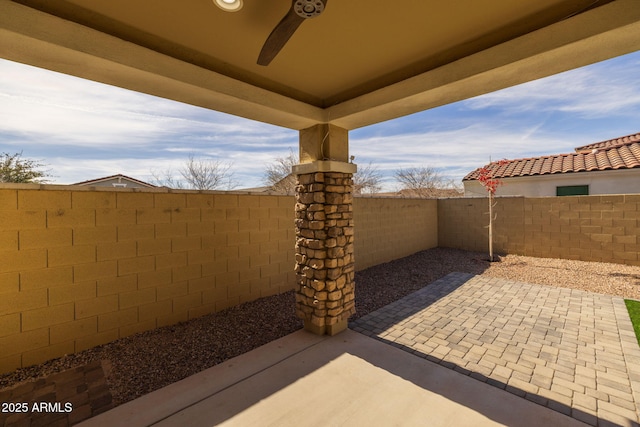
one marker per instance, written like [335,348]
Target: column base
[330,330]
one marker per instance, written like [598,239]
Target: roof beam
[599,34]
[46,41]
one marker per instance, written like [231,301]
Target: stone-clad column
[325,288]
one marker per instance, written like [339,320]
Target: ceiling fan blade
[279,36]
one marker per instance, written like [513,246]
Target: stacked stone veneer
[324,249]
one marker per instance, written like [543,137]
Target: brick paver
[572,351]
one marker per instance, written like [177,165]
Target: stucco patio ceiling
[359,63]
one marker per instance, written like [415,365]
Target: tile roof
[619,153]
[609,143]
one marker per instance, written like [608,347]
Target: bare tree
[278,174]
[426,182]
[166,178]
[208,174]
[279,177]
[367,180]
[13,168]
[198,174]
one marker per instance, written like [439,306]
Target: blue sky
[84,130]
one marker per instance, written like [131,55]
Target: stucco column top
[324,166]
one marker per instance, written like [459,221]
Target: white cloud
[547,116]
[456,151]
[86,130]
[592,91]
[53,108]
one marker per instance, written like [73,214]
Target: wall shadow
[303,379]
[350,378]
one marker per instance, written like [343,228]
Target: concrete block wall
[588,228]
[80,266]
[462,223]
[390,228]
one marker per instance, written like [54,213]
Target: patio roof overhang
[359,63]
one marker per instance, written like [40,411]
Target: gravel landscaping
[144,362]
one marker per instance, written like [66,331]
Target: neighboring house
[422,193]
[264,189]
[286,186]
[116,181]
[607,167]
[430,193]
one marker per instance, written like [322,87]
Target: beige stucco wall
[81,267]
[625,181]
[588,228]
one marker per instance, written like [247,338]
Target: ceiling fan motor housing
[308,8]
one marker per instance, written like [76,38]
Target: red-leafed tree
[491,183]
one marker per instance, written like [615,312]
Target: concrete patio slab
[348,379]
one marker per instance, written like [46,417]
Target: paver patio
[572,351]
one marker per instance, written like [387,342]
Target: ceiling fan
[299,11]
